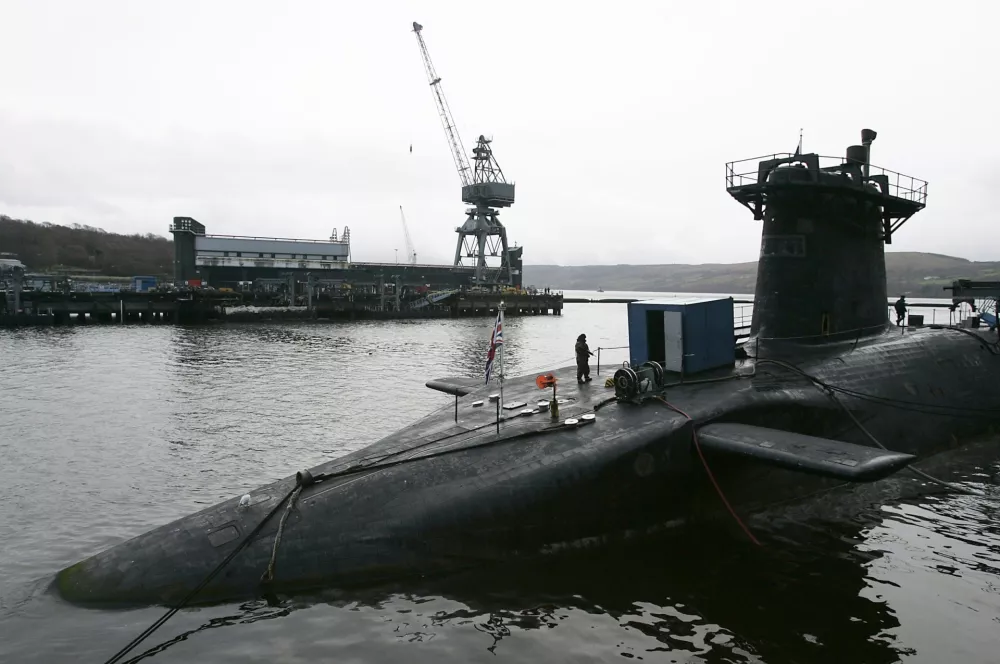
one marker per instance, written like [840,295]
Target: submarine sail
[821,271]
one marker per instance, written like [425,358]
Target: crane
[444,111]
[410,251]
[484,187]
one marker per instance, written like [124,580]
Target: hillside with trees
[45,247]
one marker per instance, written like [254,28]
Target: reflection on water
[105,433]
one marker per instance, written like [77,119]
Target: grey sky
[614,119]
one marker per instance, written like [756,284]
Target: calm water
[108,432]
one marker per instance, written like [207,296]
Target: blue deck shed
[683,334]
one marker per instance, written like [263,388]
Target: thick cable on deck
[708,470]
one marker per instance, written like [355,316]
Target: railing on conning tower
[905,187]
[898,196]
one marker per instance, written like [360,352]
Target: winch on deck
[630,383]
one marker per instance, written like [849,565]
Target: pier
[37,308]
[381,301]
[47,308]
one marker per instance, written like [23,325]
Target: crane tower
[483,186]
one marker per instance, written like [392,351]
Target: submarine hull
[443,494]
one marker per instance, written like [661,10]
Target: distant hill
[912,273]
[47,247]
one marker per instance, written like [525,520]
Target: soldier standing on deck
[582,359]
[900,309]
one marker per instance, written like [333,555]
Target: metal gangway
[982,296]
[432,298]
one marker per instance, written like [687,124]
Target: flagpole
[502,307]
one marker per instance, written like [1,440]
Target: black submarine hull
[827,393]
[441,495]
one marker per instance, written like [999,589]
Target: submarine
[825,392]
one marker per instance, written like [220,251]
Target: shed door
[673,339]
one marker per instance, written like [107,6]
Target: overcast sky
[615,120]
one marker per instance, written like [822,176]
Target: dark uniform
[900,310]
[582,359]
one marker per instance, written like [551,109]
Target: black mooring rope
[301,480]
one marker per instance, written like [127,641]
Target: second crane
[483,186]
[411,253]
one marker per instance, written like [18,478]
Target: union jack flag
[497,340]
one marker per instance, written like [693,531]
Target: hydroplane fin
[806,454]
[456,385]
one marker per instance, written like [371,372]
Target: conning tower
[821,272]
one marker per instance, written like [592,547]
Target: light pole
[397,256]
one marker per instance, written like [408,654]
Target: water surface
[107,432]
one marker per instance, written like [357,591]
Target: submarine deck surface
[476,424]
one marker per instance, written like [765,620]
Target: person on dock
[582,359]
[900,310]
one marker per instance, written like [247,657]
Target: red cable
[718,489]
